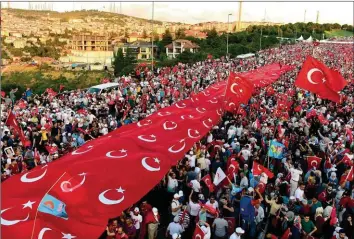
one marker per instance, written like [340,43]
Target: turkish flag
[198,233]
[51,149]
[322,119]
[334,218]
[258,169]
[207,180]
[210,56]
[12,122]
[316,43]
[257,124]
[348,159]
[239,90]
[313,161]
[22,104]
[36,154]
[270,91]
[286,234]
[71,202]
[3,94]
[319,79]
[61,87]
[82,111]
[234,167]
[231,222]
[311,113]
[241,111]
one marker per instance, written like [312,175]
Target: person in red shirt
[121,234]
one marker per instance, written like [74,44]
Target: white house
[178,46]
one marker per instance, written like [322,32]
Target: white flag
[219,176]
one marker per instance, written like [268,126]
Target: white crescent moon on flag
[180,107]
[204,93]
[175,151]
[213,101]
[219,113]
[64,185]
[41,233]
[309,75]
[202,110]
[148,167]
[107,201]
[163,113]
[206,125]
[148,122]
[232,103]
[10,222]
[77,151]
[191,136]
[169,128]
[232,88]
[232,166]
[152,140]
[198,236]
[25,179]
[109,154]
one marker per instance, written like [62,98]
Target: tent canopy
[300,38]
[310,39]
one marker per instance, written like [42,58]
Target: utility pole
[263,20]
[239,16]
[152,38]
[318,17]
[227,35]
[305,16]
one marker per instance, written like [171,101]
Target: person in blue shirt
[80,140]
[28,94]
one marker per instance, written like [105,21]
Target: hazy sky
[194,12]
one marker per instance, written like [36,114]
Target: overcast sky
[194,12]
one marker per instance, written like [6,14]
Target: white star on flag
[68,236]
[120,190]
[28,204]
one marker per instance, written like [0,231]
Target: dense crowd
[298,201]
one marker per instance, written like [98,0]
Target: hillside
[339,33]
[65,16]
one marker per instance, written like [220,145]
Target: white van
[99,89]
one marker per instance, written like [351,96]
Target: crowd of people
[297,202]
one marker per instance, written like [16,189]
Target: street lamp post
[152,39]
[227,35]
[260,39]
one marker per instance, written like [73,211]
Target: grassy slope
[339,33]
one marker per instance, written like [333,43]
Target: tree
[118,62]
[180,34]
[145,34]
[166,38]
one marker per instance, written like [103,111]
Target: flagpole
[346,179]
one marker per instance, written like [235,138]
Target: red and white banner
[77,194]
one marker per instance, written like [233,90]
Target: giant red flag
[208,182]
[76,195]
[319,79]
[258,169]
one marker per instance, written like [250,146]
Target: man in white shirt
[237,234]
[173,228]
[246,153]
[299,193]
[259,212]
[244,181]
[175,205]
[137,219]
[295,176]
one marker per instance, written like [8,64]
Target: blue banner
[276,150]
[53,206]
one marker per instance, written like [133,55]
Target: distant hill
[65,16]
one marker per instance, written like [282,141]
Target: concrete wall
[103,57]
